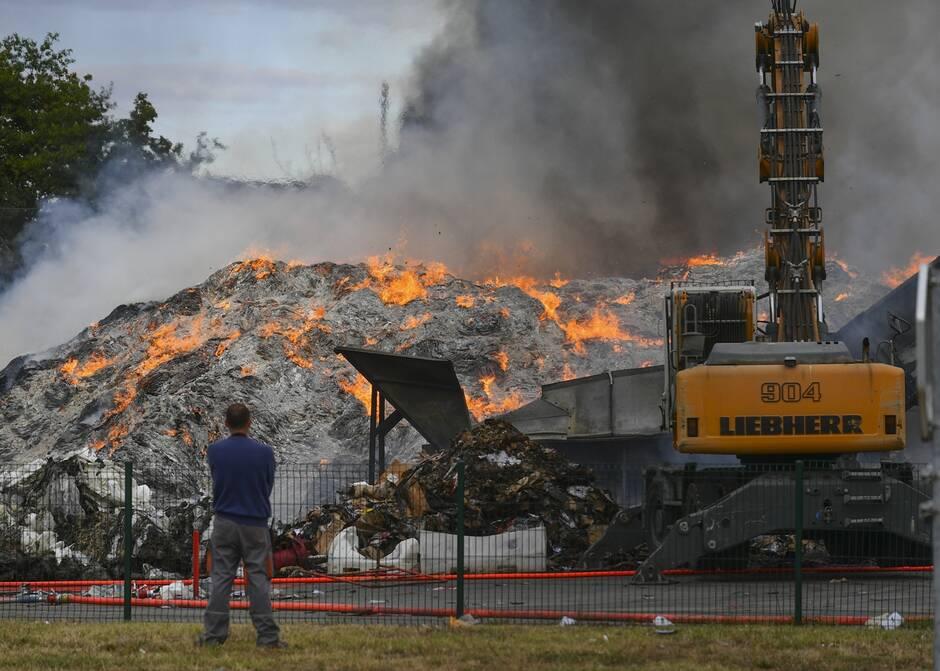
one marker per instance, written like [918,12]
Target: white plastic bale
[176,590]
[521,551]
[38,542]
[344,556]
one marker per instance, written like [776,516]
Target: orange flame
[558,282]
[122,399]
[413,322]
[502,359]
[232,337]
[396,286]
[567,373]
[73,372]
[602,326]
[845,268]
[710,259]
[247,370]
[295,339]
[704,260]
[360,388]
[841,297]
[116,435]
[298,360]
[491,404]
[435,272]
[262,266]
[896,276]
[68,368]
[529,285]
[403,289]
[646,363]
[166,345]
[465,301]
[626,299]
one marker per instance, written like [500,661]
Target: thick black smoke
[613,133]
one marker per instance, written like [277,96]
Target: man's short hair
[237,416]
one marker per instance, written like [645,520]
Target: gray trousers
[231,544]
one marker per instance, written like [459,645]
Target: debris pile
[776,550]
[511,483]
[65,520]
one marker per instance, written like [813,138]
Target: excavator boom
[791,161]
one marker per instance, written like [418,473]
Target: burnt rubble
[511,483]
[65,520]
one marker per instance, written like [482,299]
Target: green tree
[56,132]
[53,125]
[133,137]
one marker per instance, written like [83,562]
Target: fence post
[460,507]
[196,542]
[128,534]
[798,544]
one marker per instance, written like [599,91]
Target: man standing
[242,479]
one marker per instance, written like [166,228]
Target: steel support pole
[798,544]
[927,347]
[460,564]
[381,433]
[196,543]
[936,547]
[128,535]
[927,369]
[373,413]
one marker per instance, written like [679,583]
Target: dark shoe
[203,642]
[276,645]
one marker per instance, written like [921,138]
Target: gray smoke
[591,138]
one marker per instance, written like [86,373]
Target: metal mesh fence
[92,540]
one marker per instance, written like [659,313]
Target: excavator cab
[698,316]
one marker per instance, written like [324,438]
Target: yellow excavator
[771,389]
[737,388]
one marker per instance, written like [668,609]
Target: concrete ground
[585,599]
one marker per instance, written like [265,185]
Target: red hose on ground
[373,577]
[587,616]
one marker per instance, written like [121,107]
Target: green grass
[29,645]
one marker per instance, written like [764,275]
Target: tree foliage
[133,136]
[52,124]
[57,131]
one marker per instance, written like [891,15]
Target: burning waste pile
[146,383]
[511,484]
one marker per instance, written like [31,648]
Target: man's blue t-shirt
[242,479]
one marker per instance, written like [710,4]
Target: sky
[268,79]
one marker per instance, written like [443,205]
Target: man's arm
[210,457]
[271,468]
